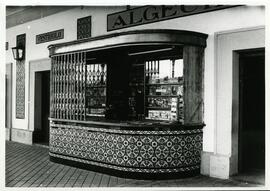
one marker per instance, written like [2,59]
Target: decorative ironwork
[152,69]
[84,27]
[20,82]
[68,86]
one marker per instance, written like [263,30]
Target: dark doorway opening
[251,111]
[42,107]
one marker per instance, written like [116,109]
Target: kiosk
[129,103]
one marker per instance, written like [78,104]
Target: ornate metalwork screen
[78,88]
[68,75]
[84,27]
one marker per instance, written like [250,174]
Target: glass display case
[164,90]
[96,76]
[156,90]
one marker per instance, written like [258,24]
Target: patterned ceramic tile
[146,151]
[20,90]
[20,81]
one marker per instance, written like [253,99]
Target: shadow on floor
[251,176]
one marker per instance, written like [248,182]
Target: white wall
[224,161]
[35,66]
[226,44]
[66,20]
[209,23]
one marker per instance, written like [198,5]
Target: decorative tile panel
[20,90]
[20,82]
[127,150]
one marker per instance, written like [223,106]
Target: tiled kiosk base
[143,154]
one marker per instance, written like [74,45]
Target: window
[155,80]
[156,90]
[96,77]
[164,89]
[84,27]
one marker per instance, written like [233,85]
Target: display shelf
[136,84]
[158,108]
[157,84]
[162,95]
[96,86]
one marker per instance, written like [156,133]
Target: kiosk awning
[131,38]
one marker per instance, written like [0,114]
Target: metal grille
[84,27]
[96,74]
[68,75]
[152,69]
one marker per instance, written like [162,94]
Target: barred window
[84,27]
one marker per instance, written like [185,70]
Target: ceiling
[15,9]
[16,15]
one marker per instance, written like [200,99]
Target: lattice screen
[68,75]
[84,28]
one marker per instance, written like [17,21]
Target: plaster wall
[224,161]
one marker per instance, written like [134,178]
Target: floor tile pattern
[29,166]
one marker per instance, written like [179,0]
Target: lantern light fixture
[18,53]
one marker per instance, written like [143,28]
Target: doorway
[251,150]
[42,107]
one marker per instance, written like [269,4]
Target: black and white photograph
[142,96]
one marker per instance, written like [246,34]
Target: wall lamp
[18,53]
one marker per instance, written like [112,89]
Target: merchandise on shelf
[159,102]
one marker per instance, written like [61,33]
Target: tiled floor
[29,166]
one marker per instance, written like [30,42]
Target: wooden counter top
[132,125]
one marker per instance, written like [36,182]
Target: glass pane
[136,91]
[164,89]
[96,89]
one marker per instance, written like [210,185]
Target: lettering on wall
[150,14]
[50,36]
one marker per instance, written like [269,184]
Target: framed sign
[153,13]
[50,36]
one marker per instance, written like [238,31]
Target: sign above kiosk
[150,14]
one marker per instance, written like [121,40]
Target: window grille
[84,27]
[68,75]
